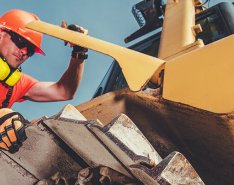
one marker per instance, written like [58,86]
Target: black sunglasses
[21,42]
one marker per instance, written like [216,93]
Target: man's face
[13,54]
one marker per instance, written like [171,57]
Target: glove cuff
[79,52]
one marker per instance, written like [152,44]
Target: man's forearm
[70,80]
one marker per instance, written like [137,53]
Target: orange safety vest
[10,95]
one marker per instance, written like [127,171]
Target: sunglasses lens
[20,42]
[31,50]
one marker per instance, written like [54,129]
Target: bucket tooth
[175,169]
[69,112]
[126,141]
[74,132]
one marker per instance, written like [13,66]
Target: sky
[109,20]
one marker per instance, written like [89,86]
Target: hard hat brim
[39,51]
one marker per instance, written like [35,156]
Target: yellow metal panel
[137,68]
[178,24]
[203,78]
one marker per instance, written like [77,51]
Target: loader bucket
[206,139]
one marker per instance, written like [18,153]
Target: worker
[17,44]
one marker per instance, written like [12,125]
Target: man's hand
[12,130]
[78,51]
[77,28]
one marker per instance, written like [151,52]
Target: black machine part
[148,14]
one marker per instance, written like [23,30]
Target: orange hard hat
[15,20]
